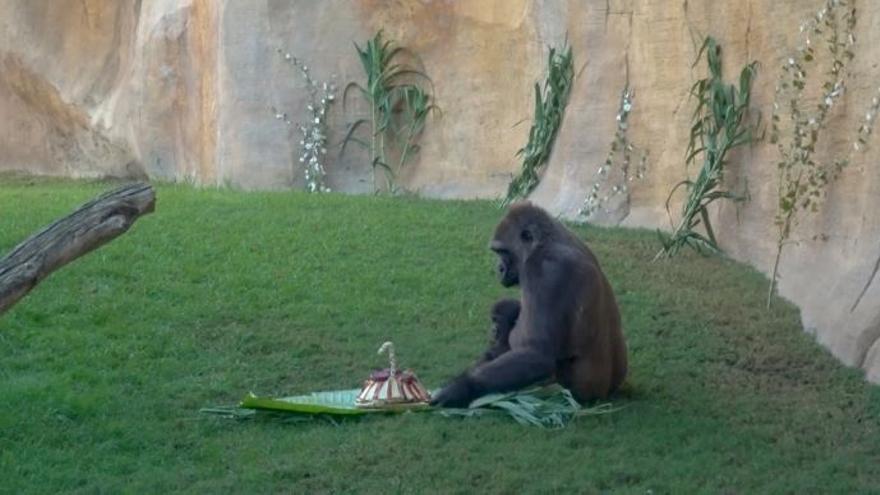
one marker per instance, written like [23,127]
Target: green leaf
[340,402]
[349,135]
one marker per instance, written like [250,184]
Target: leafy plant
[612,180]
[720,125]
[416,107]
[545,407]
[313,140]
[548,407]
[398,106]
[549,110]
[803,178]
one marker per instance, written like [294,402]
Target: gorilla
[504,314]
[566,327]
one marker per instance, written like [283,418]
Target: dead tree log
[89,227]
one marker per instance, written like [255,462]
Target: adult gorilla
[568,328]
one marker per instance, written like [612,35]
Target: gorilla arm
[537,343]
[513,370]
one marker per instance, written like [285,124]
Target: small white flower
[287,56]
[790,61]
[627,107]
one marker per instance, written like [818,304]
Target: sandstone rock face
[183,90]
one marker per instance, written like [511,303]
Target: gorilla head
[523,231]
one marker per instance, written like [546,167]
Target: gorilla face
[516,237]
[508,266]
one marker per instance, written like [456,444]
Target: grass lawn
[104,366]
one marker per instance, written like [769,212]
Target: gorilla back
[569,323]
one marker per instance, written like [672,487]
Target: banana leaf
[334,402]
[546,407]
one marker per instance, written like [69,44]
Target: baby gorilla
[504,315]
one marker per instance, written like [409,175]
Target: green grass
[103,368]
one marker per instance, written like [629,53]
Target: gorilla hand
[458,393]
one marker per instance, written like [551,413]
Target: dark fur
[504,315]
[568,327]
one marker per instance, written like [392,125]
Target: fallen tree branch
[89,227]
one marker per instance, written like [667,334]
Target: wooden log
[89,227]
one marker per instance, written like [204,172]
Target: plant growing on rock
[803,177]
[720,125]
[399,106]
[549,109]
[615,173]
[313,133]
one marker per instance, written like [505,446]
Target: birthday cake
[392,386]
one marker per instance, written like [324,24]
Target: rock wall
[182,90]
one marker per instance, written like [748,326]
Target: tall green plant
[398,106]
[549,109]
[720,125]
[416,107]
[803,177]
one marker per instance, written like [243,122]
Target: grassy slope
[104,366]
